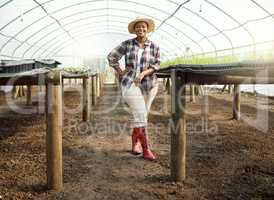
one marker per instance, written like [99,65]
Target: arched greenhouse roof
[68,30]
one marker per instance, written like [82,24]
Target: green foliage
[200,60]
[204,59]
[78,69]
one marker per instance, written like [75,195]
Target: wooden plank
[162,75]
[178,129]
[203,79]
[207,79]
[86,99]
[30,78]
[198,78]
[236,102]
[74,76]
[54,133]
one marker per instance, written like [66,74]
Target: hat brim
[150,23]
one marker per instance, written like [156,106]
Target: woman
[138,81]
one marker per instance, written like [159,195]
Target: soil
[226,159]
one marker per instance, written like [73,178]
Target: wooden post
[86,99]
[201,90]
[29,95]
[101,82]
[168,86]
[178,129]
[192,93]
[19,91]
[196,90]
[116,79]
[93,90]
[54,131]
[236,102]
[204,107]
[98,85]
[15,91]
[223,89]
[22,91]
[166,107]
[63,85]
[230,89]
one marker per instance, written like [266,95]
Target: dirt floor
[226,159]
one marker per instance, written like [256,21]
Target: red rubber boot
[136,145]
[147,154]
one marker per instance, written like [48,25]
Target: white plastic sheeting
[68,30]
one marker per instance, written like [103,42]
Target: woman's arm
[156,64]
[144,73]
[151,68]
[121,72]
[115,55]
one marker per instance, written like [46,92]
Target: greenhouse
[124,99]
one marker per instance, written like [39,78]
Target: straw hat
[150,22]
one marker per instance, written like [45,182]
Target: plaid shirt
[150,59]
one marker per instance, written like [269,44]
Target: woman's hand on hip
[121,72]
[144,73]
[139,78]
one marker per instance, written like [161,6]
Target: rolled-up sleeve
[116,54]
[157,60]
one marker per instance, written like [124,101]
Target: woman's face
[141,29]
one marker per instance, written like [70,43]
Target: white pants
[138,103]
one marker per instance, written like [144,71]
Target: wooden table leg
[86,100]
[236,102]
[178,128]
[54,135]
